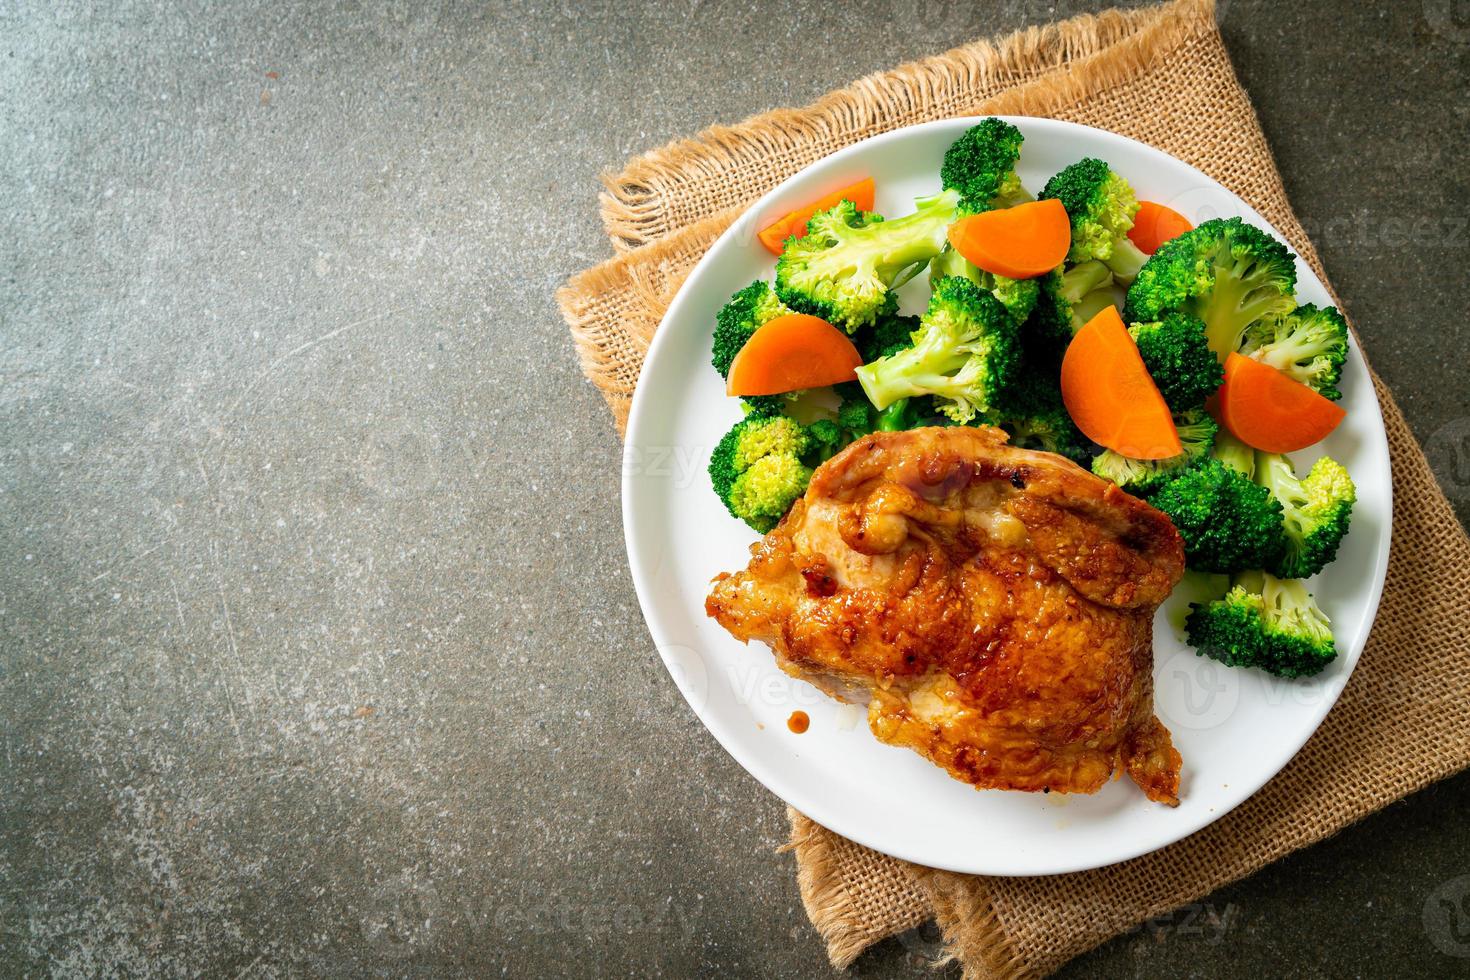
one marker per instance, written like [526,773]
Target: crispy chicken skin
[993,605]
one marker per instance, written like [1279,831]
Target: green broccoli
[1033,415]
[1018,296]
[1091,304]
[1234,453]
[827,437]
[855,414]
[761,466]
[1179,359]
[1315,510]
[846,268]
[1310,344]
[748,310]
[1141,477]
[769,406]
[1228,523]
[981,167]
[1062,305]
[1266,622]
[965,353]
[1101,205]
[889,336]
[897,417]
[1229,274]
[891,332]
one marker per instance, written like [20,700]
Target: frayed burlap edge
[635,208]
[848,921]
[1050,64]
[610,339]
[974,933]
[971,912]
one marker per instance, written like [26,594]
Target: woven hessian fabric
[1162,76]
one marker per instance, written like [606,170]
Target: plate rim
[831,817]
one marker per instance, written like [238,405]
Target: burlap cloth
[1160,75]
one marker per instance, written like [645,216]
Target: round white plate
[1235,728]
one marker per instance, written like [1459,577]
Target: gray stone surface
[318,653]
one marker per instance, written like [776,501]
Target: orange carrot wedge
[1109,394]
[790,353]
[1264,408]
[1154,225]
[793,223]
[1022,242]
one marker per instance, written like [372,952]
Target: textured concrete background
[317,649]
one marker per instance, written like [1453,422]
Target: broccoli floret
[1234,453]
[1228,523]
[768,406]
[981,167]
[1141,477]
[761,466]
[897,417]
[891,332]
[855,415]
[827,437]
[1265,622]
[1315,511]
[844,269]
[748,310]
[1050,431]
[1101,205]
[1227,273]
[1309,344]
[1179,359]
[1018,296]
[965,353]
[1090,305]
[1058,313]
[1033,415]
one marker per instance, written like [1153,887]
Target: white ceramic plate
[1235,728]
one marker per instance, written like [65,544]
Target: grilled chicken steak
[993,605]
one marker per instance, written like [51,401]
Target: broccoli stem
[1090,306]
[1242,295]
[1234,453]
[1126,260]
[1083,278]
[894,418]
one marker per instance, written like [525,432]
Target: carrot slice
[1109,394]
[790,353]
[1264,408]
[1154,225]
[793,223]
[1022,242]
